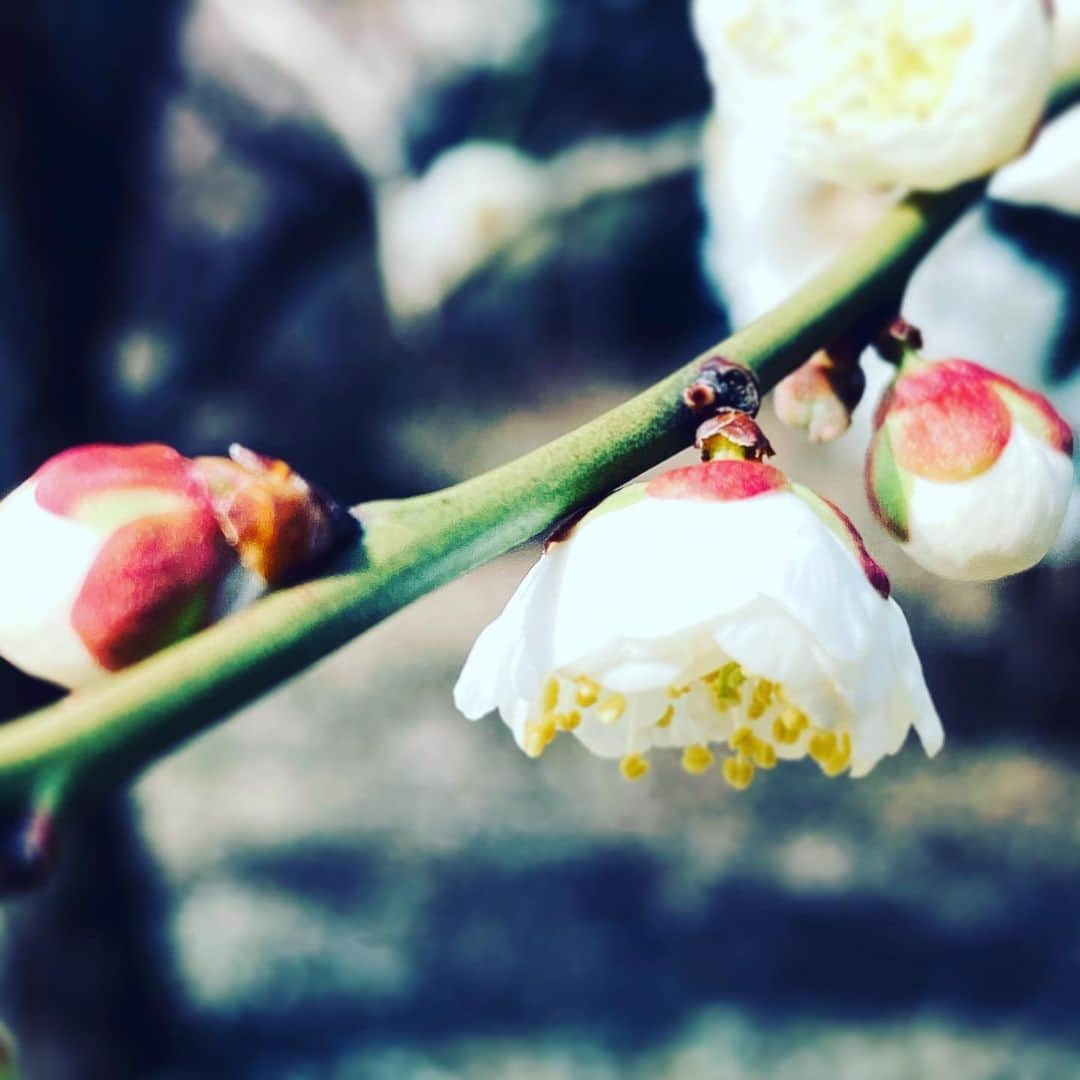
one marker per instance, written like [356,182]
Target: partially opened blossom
[109,553]
[719,611]
[882,93]
[968,470]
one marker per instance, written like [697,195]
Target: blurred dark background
[395,242]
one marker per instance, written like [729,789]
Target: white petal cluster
[920,94]
[681,623]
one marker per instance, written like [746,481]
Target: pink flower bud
[820,396]
[109,553]
[968,470]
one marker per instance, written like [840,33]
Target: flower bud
[968,470]
[109,553]
[820,396]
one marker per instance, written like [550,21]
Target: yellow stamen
[739,773]
[568,721]
[723,685]
[840,758]
[540,734]
[588,690]
[697,759]
[610,710]
[822,746]
[549,697]
[676,692]
[633,767]
[761,699]
[763,754]
[789,725]
[741,739]
[667,717]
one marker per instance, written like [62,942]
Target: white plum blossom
[716,610]
[919,94]
[971,472]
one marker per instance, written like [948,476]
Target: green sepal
[886,486]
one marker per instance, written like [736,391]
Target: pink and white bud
[820,396]
[719,610]
[110,553]
[968,470]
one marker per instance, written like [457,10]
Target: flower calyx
[723,384]
[899,343]
[732,435]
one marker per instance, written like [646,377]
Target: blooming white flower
[968,470]
[109,553]
[715,605]
[912,93]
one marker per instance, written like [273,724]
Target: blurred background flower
[202,240]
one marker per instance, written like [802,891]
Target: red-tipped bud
[109,553]
[970,471]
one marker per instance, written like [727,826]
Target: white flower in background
[715,609]
[968,470]
[1066,17]
[437,230]
[1048,175]
[771,227]
[882,93]
[110,553]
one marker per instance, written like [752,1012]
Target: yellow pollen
[763,754]
[840,759]
[633,767]
[611,709]
[761,698]
[789,725]
[568,721]
[738,772]
[667,717]
[697,760]
[588,690]
[676,692]
[822,746]
[540,734]
[741,739]
[549,697]
[723,685]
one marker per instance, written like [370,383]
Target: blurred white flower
[969,471]
[1066,36]
[435,231]
[479,197]
[717,605]
[882,93]
[1048,175]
